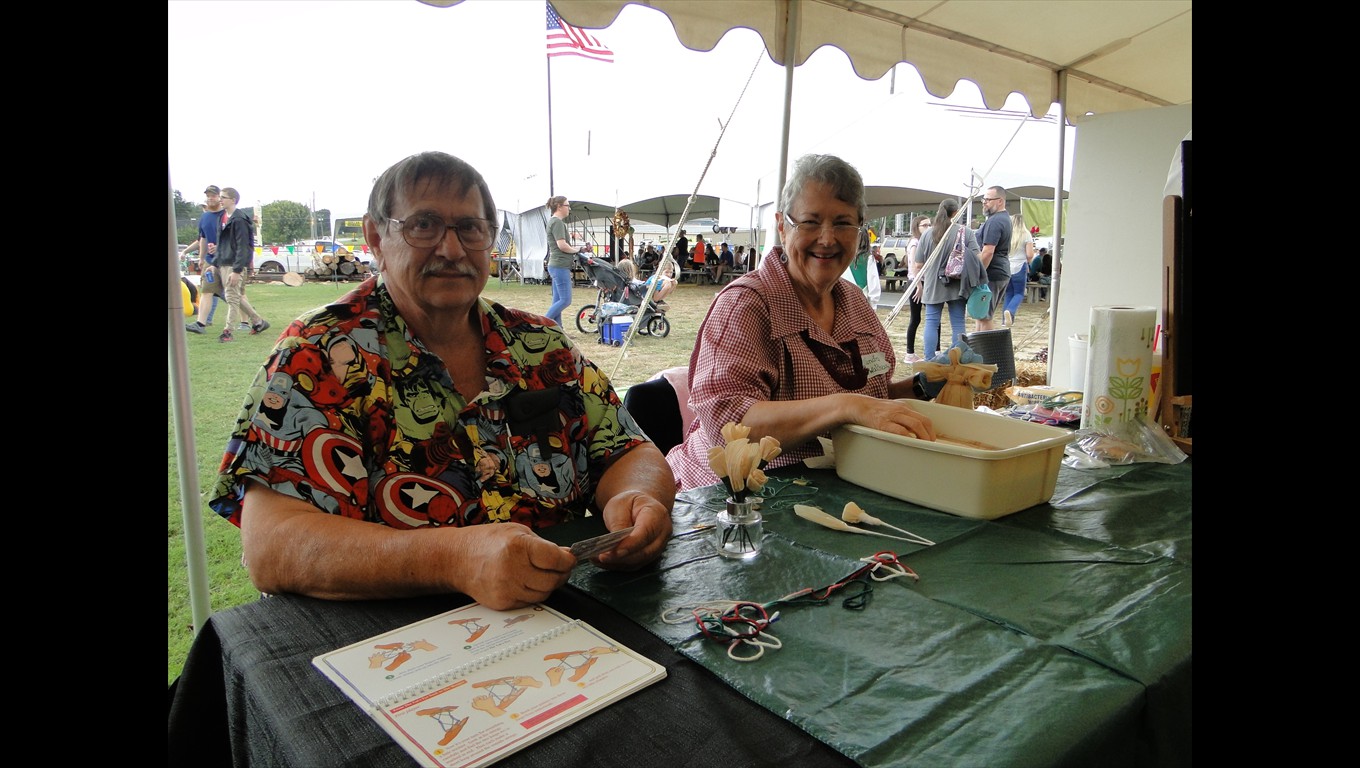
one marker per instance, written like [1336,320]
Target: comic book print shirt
[352,414]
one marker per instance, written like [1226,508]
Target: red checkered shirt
[751,349]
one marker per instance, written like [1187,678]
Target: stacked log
[342,262]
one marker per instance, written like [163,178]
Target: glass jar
[739,530]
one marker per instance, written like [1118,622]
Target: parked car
[277,259]
[893,250]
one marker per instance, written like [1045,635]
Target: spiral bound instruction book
[472,685]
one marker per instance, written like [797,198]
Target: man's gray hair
[438,168]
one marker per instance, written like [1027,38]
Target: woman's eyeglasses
[814,229]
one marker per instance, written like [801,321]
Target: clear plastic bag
[1124,443]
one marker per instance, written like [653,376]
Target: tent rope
[939,247]
[666,257]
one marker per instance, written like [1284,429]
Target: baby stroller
[617,295]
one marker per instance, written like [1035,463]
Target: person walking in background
[210,282]
[1022,250]
[561,257]
[918,227]
[994,238]
[700,257]
[235,251]
[935,290]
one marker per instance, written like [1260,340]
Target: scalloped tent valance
[1105,55]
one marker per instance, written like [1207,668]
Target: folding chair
[656,408]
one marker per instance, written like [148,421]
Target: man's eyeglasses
[814,229]
[427,230]
[989,199]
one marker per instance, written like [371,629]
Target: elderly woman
[791,350]
[411,436]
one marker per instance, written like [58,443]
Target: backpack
[953,268]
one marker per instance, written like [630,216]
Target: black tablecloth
[249,696]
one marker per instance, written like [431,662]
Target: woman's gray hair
[438,168]
[845,182]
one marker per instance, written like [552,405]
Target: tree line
[282,221]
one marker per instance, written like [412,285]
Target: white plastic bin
[1019,471]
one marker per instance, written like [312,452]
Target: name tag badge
[876,364]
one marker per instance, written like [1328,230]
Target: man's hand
[506,565]
[293,547]
[652,529]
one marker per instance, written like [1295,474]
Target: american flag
[566,40]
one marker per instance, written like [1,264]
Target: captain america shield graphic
[409,500]
[335,461]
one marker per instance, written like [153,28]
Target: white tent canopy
[1115,55]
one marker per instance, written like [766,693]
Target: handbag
[980,302]
[953,268]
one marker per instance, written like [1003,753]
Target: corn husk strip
[756,480]
[836,524]
[769,449]
[717,461]
[732,431]
[736,449]
[854,513]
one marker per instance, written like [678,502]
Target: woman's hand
[891,416]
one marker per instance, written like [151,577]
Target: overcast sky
[308,100]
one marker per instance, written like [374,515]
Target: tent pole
[195,551]
[1055,282]
[790,59]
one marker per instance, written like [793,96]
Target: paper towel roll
[1118,365]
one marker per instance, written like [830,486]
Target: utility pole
[313,215]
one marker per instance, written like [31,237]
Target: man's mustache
[450,270]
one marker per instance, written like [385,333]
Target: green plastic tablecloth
[1059,635]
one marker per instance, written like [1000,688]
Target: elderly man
[410,437]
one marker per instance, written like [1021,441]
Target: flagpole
[552,190]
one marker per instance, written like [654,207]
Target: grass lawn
[220,373]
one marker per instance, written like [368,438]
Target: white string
[894,571]
[761,641]
[714,609]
